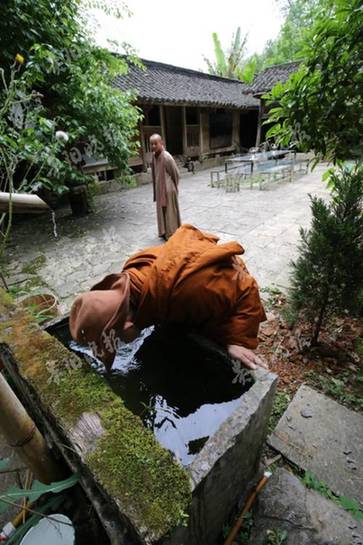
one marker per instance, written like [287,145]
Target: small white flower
[62,136]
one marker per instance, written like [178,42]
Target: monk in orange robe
[190,281]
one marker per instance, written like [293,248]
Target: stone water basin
[165,446]
[209,412]
[181,392]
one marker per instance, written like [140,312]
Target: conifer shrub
[327,277]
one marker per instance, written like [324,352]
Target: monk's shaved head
[156,136]
[156,143]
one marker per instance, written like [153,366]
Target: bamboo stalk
[17,521]
[238,525]
[21,433]
[27,485]
[22,203]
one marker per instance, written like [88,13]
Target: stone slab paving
[266,222]
[319,434]
[307,517]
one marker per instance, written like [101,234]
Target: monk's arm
[172,170]
[239,333]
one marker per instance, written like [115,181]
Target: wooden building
[262,84]
[198,115]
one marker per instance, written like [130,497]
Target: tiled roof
[167,84]
[265,80]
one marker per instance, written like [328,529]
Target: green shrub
[327,277]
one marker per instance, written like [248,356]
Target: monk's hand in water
[246,356]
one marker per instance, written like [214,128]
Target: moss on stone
[155,482]
[146,483]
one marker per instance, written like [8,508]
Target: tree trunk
[79,201]
[317,327]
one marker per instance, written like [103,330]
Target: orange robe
[193,281]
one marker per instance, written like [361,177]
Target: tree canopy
[320,108]
[299,17]
[73,79]
[231,63]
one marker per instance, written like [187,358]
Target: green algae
[142,477]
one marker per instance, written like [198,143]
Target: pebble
[306,413]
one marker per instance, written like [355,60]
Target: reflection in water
[181,392]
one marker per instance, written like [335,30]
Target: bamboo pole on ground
[22,434]
[23,203]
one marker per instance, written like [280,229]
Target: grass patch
[280,404]
[276,536]
[33,266]
[310,480]
[346,389]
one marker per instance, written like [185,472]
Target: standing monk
[165,181]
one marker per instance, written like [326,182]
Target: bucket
[57,530]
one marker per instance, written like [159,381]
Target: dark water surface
[180,391]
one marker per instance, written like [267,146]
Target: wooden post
[200,133]
[142,147]
[184,129]
[162,122]
[204,129]
[259,124]
[236,141]
[22,434]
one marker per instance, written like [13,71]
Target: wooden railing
[221,141]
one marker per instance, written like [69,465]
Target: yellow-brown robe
[193,281]
[166,180]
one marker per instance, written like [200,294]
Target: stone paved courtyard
[265,222]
